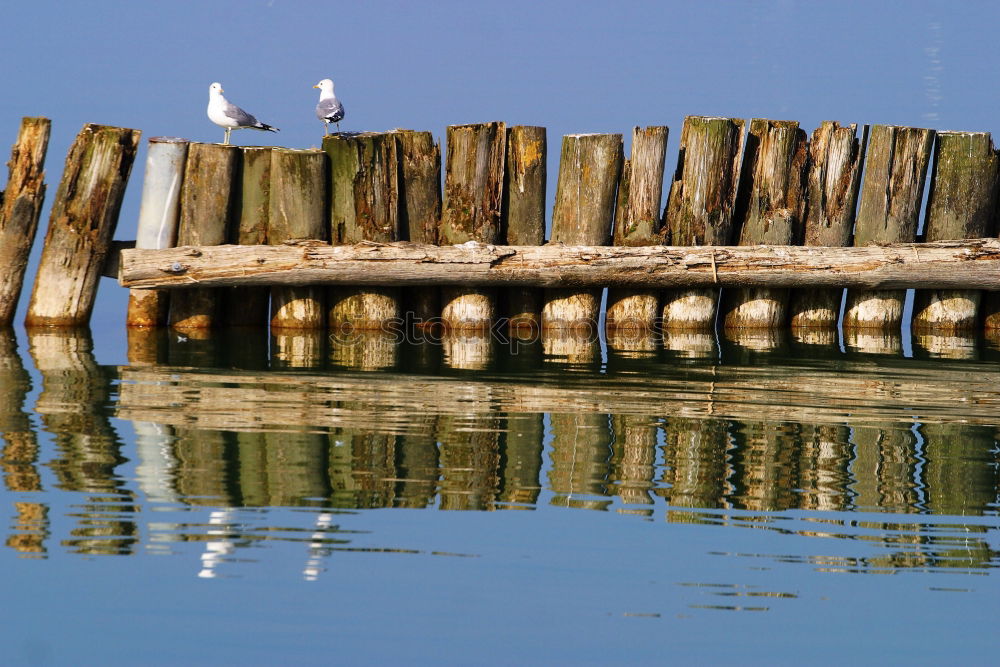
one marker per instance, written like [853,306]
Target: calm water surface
[245,499]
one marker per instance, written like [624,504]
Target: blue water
[865,532]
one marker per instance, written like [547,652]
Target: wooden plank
[970,264]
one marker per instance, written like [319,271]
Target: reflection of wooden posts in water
[581,451]
[700,208]
[633,460]
[473,198]
[296,468]
[159,209]
[73,407]
[823,467]
[19,456]
[885,467]
[361,467]
[579,347]
[634,313]
[895,167]
[959,474]
[466,349]
[962,204]
[695,463]
[420,211]
[207,466]
[590,166]
[417,466]
[523,443]
[297,211]
[364,206]
[835,159]
[146,346]
[298,348]
[81,226]
[770,211]
[470,461]
[20,209]
[364,350]
[250,306]
[524,216]
[763,461]
[209,178]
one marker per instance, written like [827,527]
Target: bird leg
[326,129]
[228,130]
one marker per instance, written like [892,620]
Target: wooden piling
[895,169]
[297,212]
[770,211]
[159,209]
[250,306]
[81,226]
[473,197]
[962,204]
[364,206]
[21,207]
[524,216]
[835,158]
[700,208]
[637,222]
[590,167]
[209,179]
[420,212]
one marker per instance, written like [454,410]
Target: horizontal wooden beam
[971,264]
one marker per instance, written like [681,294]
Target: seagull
[225,114]
[329,110]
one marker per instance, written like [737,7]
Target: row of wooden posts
[771,185]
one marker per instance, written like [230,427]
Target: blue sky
[569,66]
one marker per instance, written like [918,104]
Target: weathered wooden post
[364,206]
[590,166]
[835,158]
[700,208]
[895,169]
[524,217]
[250,306]
[637,222]
[297,211]
[159,209]
[962,204]
[81,226]
[420,212]
[770,210]
[209,183]
[21,208]
[473,197]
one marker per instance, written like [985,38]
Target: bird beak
[316,86]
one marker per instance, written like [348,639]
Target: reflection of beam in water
[73,407]
[30,530]
[218,549]
[581,450]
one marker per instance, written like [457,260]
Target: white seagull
[329,110]
[225,114]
